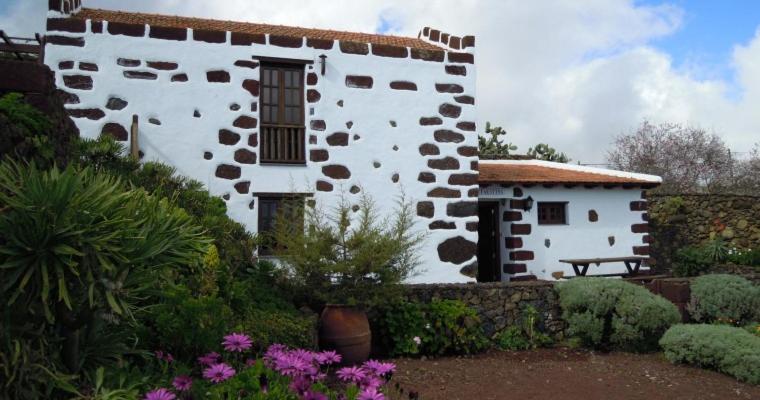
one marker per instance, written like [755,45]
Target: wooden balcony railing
[283,144]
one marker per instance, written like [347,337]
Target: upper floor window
[282,114]
[552,213]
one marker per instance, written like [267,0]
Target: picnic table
[580,265]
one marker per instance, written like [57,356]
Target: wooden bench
[580,265]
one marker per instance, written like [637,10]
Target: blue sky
[710,29]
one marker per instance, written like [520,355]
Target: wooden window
[270,207]
[552,213]
[282,114]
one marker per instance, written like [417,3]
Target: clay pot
[345,329]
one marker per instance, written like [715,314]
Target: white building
[257,112]
[535,213]
[260,112]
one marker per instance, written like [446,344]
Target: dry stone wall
[694,219]
[500,305]
[381,120]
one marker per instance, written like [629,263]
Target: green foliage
[189,324]
[526,335]
[730,350]
[607,313]
[716,250]
[25,133]
[492,147]
[691,261]
[31,120]
[234,244]
[543,151]
[749,257]
[724,298]
[673,205]
[26,371]
[438,328]
[73,245]
[345,258]
[513,338]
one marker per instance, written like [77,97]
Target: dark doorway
[489,238]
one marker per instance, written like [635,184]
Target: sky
[574,74]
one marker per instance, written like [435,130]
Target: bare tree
[689,159]
[747,173]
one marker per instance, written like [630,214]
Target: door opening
[489,238]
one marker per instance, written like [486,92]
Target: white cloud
[571,73]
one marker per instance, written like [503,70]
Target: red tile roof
[544,172]
[251,28]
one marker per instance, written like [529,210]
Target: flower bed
[281,373]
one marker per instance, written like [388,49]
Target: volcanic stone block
[457,250]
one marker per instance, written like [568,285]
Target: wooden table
[580,265]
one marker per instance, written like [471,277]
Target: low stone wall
[499,305]
[680,220]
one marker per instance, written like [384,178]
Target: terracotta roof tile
[253,28]
[543,172]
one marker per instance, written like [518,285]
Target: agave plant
[77,245]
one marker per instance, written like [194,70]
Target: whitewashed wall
[541,249]
[384,125]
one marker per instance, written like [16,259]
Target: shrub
[607,313]
[438,328]
[691,261]
[730,350]
[724,298]
[347,257]
[234,244]
[526,334]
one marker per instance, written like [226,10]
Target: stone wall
[677,221]
[499,304]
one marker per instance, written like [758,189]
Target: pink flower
[370,394]
[371,382]
[237,342]
[250,362]
[417,340]
[327,357]
[209,359]
[218,372]
[182,383]
[351,374]
[379,368]
[160,394]
[314,396]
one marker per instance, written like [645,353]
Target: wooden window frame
[277,198]
[281,142]
[544,207]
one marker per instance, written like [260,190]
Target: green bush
[730,350]
[234,244]
[347,256]
[526,334]
[607,313]
[724,298]
[438,328]
[691,261]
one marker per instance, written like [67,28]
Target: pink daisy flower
[371,394]
[209,359]
[328,357]
[160,394]
[237,342]
[351,374]
[218,372]
[379,368]
[182,383]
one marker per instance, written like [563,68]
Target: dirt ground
[564,374]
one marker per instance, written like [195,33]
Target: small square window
[552,213]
